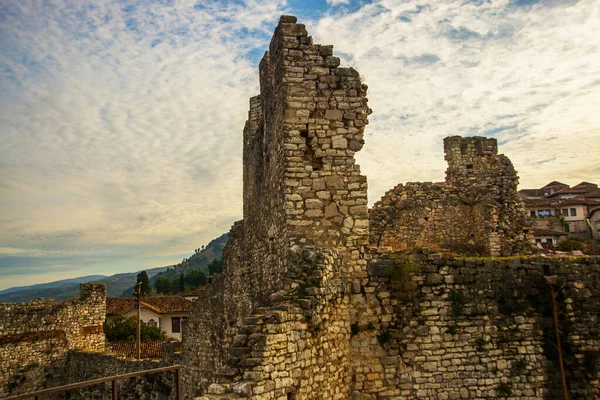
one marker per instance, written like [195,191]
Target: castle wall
[450,328]
[297,314]
[36,337]
[476,210]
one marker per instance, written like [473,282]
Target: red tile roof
[560,202]
[159,304]
[547,232]
[148,349]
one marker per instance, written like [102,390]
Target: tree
[195,278]
[143,277]
[162,285]
[181,284]
[122,329]
[215,266]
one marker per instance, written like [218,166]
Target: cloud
[524,73]
[122,124]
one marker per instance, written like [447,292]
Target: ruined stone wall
[215,316]
[476,210]
[84,366]
[36,337]
[445,328]
[302,189]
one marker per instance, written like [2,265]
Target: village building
[559,211]
[165,312]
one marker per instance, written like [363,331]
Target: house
[557,207]
[192,295]
[164,312]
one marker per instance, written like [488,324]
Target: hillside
[198,260]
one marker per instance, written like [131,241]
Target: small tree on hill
[143,277]
[162,285]
[181,284]
[215,266]
[195,278]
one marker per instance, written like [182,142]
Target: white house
[166,312]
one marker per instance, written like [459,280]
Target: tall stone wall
[476,210]
[302,190]
[36,337]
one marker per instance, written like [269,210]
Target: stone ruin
[321,298]
[477,210]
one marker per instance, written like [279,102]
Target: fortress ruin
[321,298]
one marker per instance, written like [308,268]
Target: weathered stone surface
[36,337]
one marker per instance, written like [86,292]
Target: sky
[121,121]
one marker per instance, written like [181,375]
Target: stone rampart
[36,337]
[302,190]
[441,327]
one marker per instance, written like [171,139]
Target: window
[532,213]
[538,240]
[152,323]
[544,213]
[566,228]
[176,324]
[573,212]
[565,212]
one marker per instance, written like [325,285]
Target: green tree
[122,329]
[162,285]
[215,266]
[143,277]
[195,278]
[181,284]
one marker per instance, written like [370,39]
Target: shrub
[384,337]
[125,329]
[458,298]
[354,329]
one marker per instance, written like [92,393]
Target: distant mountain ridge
[117,285]
[69,288]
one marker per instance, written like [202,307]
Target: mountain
[69,288]
[119,284]
[199,260]
[55,284]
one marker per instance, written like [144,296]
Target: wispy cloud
[525,73]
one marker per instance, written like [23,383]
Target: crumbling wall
[36,337]
[446,328]
[302,189]
[215,316]
[477,209]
